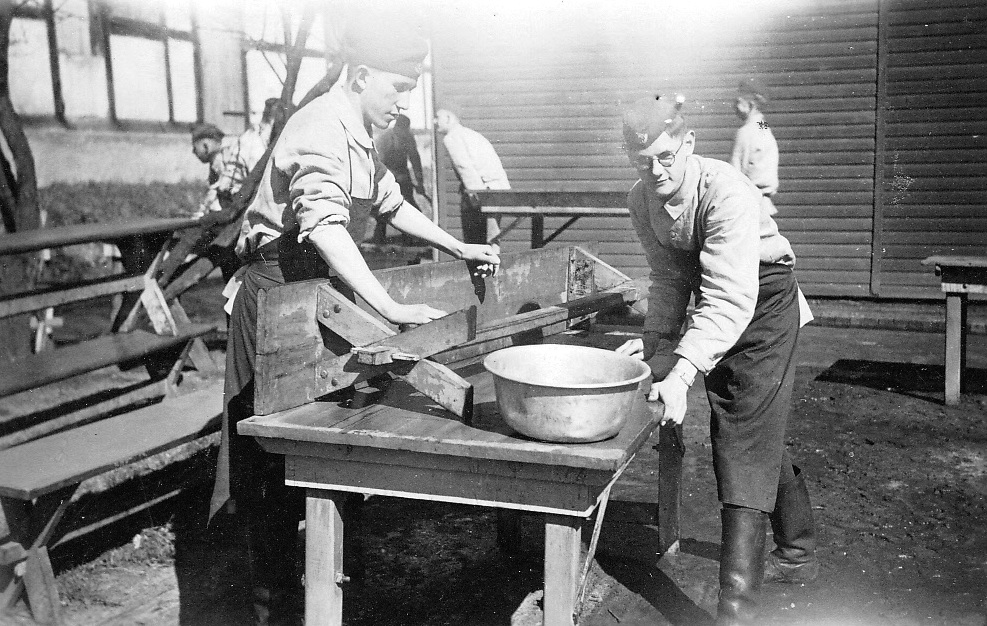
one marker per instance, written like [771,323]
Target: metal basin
[568,394]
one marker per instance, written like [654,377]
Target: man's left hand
[673,392]
[484,258]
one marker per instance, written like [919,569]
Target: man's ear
[360,78]
[689,142]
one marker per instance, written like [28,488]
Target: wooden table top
[402,420]
[43,238]
[956,261]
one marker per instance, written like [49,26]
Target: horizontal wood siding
[547,87]
[934,165]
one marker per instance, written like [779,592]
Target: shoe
[741,565]
[793,561]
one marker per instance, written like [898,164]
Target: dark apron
[750,393]
[243,470]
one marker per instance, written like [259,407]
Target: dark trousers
[473,222]
[750,393]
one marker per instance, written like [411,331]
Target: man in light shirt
[478,167]
[322,173]
[703,234]
[755,151]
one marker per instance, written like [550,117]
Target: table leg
[324,558]
[562,541]
[955,345]
[537,231]
[670,453]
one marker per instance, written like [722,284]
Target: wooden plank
[16,304]
[511,198]
[670,453]
[57,236]
[324,557]
[290,342]
[344,318]
[55,365]
[41,466]
[403,421]
[445,484]
[955,346]
[39,581]
[90,412]
[956,261]
[562,541]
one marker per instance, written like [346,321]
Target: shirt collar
[687,196]
[350,118]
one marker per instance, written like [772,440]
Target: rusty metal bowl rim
[645,369]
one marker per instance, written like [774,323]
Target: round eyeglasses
[665,159]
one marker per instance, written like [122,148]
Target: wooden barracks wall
[853,83]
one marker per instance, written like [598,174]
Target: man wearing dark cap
[755,151]
[323,171]
[699,223]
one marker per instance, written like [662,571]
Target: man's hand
[673,392]
[411,314]
[484,259]
[632,348]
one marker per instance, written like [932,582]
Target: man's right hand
[412,314]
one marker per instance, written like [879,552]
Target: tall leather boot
[741,565]
[793,560]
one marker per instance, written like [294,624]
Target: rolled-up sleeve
[729,260]
[317,165]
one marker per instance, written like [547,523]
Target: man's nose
[404,100]
[656,168]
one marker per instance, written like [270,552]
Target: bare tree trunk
[18,201]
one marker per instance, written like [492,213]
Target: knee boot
[793,560]
[741,565]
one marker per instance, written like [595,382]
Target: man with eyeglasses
[700,224]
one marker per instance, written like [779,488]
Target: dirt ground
[898,481]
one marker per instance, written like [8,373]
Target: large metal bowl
[568,394]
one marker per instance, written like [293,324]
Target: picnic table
[47,461]
[960,276]
[403,445]
[431,430]
[537,205]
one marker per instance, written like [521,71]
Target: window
[151,60]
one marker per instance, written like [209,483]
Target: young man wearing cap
[755,151]
[478,167]
[703,235]
[231,161]
[323,169]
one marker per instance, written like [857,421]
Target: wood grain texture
[44,465]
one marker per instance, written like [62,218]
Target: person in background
[323,170]
[396,147]
[230,161]
[703,235]
[478,167]
[755,151]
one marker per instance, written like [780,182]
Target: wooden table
[537,205]
[407,447]
[961,276]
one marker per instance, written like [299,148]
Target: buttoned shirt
[323,161]
[475,160]
[711,242]
[755,153]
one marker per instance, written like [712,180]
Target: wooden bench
[46,463]
[41,478]
[537,205]
[960,276]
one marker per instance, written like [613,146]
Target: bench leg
[670,453]
[955,345]
[34,525]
